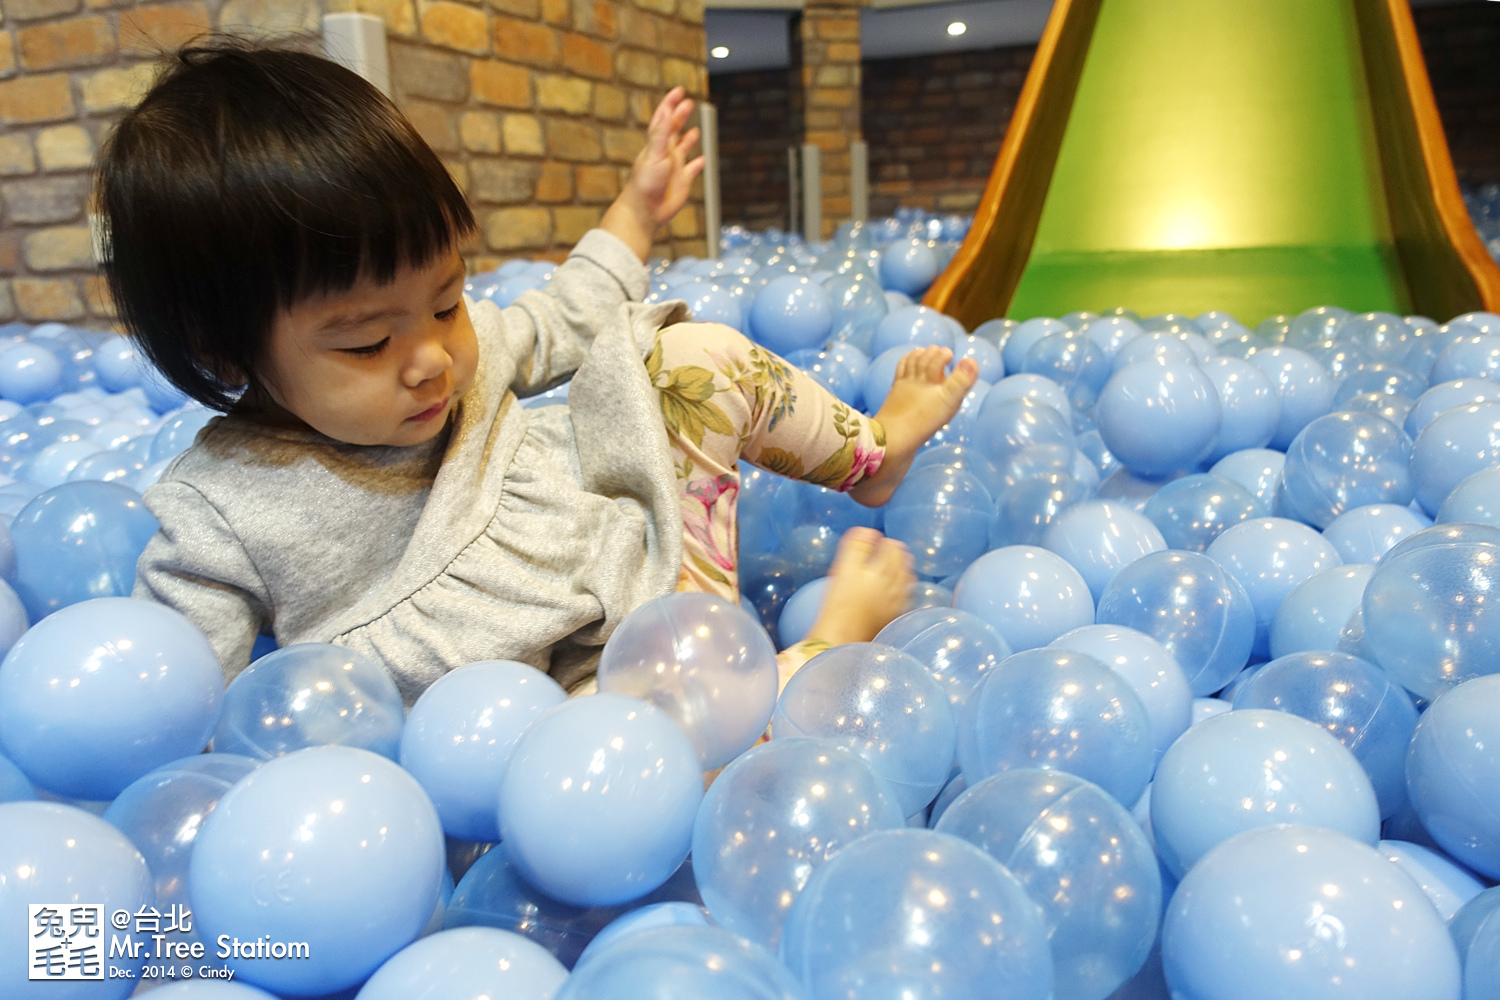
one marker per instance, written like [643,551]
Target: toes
[858,545]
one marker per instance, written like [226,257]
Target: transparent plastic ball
[1150,670]
[1365,534]
[942,515]
[1098,538]
[1452,773]
[910,328]
[1110,333]
[958,648]
[1383,336]
[1314,614]
[1455,445]
[1002,431]
[1257,469]
[1192,511]
[1269,556]
[1023,336]
[470,962]
[1345,460]
[1030,506]
[1034,387]
[1156,347]
[1304,385]
[1445,396]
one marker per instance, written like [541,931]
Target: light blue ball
[1154,346]
[54,464]
[1071,360]
[1427,611]
[68,857]
[1452,772]
[1150,670]
[352,853]
[985,354]
[29,372]
[1447,886]
[800,612]
[1028,508]
[1296,911]
[682,963]
[178,433]
[1092,872]
[102,692]
[1345,460]
[1305,387]
[882,704]
[1098,538]
[1059,710]
[115,363]
[311,694]
[1257,469]
[1382,378]
[1445,396]
[1037,388]
[13,620]
[468,962]
[772,818]
[710,303]
[1192,511]
[210,989]
[1315,613]
[1383,336]
[566,827]
[1269,556]
[1002,431]
[1475,356]
[1476,931]
[957,648]
[1249,405]
[858,305]
[1456,444]
[791,313]
[910,328]
[877,380]
[943,516]
[853,924]
[828,373]
[1158,418]
[643,919]
[908,266]
[1110,333]
[1365,534]
[1207,708]
[1023,336]
[996,331]
[459,736]
[1252,768]
[14,785]
[79,541]
[1027,594]
[1475,500]
[1354,701]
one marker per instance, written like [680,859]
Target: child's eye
[367,351]
[448,314]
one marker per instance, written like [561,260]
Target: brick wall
[537,106]
[755,129]
[1461,44]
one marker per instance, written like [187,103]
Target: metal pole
[859,180]
[713,212]
[793,190]
[812,192]
[357,42]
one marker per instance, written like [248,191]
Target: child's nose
[430,360]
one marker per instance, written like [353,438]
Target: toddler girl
[272,222]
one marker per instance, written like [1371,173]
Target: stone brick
[622,144]
[51,199]
[667,7]
[682,40]
[555,183]
[843,52]
[7,55]
[30,99]
[149,31]
[110,89]
[642,106]
[96,291]
[484,262]
[35,10]
[523,135]
[10,252]
[460,174]
[417,71]
[609,102]
[7,304]
[680,73]
[273,17]
[433,124]
[570,140]
[502,182]
[529,10]
[400,16]
[557,12]
[569,94]
[523,42]
[831,97]
[455,26]
[690,11]
[65,147]
[16,156]
[686,223]
[639,28]
[61,248]
[595,17]
[640,68]
[48,298]
[571,222]
[515,228]
[499,84]
[480,131]
[838,29]
[841,75]
[586,57]
[597,183]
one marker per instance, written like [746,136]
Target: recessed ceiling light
[719,52]
[957,28]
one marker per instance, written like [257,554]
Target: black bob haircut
[248,180]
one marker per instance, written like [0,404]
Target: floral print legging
[723,399]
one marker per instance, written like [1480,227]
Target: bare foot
[920,402]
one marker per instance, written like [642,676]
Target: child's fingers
[693,168]
[688,141]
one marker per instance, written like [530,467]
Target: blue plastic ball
[468,962]
[1452,773]
[1476,931]
[909,267]
[1037,388]
[311,694]
[1252,768]
[1448,887]
[29,372]
[831,375]
[52,853]
[1475,500]
[1269,556]
[1315,613]
[896,913]
[1365,534]
[332,846]
[1158,418]
[179,432]
[1444,397]
[644,919]
[882,704]
[1427,614]
[1345,460]
[1001,432]
[1027,594]
[1092,872]
[1056,709]
[1380,378]
[1468,357]
[14,785]
[1207,708]
[79,541]
[1296,911]
[800,612]
[1456,444]
[1148,668]
[710,303]
[957,648]
[705,662]
[877,380]
[791,313]
[1110,333]
[772,818]
[1071,360]
[858,305]
[1098,538]
[564,823]
[682,963]
[910,328]
[1304,386]
[985,354]
[942,515]
[1249,405]
[1029,507]
[1192,511]
[1257,469]
[459,736]
[102,692]
[1156,347]
[1024,335]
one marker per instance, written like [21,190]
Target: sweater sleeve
[547,333]
[197,565]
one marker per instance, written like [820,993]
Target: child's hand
[661,179]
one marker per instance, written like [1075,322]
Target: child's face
[378,364]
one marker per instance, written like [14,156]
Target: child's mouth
[431,411]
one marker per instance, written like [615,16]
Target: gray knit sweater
[523,534]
